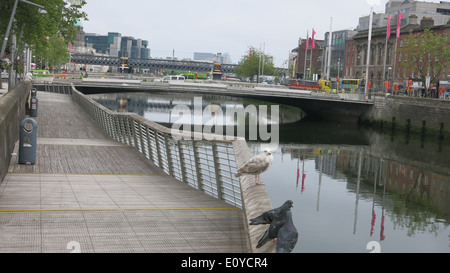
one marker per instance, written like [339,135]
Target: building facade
[385,64]
[338,52]
[116,45]
[309,62]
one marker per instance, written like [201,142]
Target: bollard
[28,141]
[34,107]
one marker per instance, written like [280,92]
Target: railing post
[132,123]
[182,159]
[169,155]
[149,145]
[141,134]
[158,150]
[217,171]
[197,166]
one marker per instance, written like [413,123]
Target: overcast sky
[212,26]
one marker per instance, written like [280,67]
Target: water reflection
[350,186]
[159,107]
[349,197]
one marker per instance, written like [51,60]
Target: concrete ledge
[12,112]
[255,200]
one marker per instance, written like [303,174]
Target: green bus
[40,73]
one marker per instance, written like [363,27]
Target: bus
[352,85]
[304,84]
[195,76]
[40,73]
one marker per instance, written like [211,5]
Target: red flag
[313,45]
[307,40]
[388,35]
[374,216]
[303,181]
[399,23]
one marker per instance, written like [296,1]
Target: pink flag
[313,45]
[400,16]
[388,35]
[307,40]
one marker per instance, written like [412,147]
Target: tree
[428,53]
[30,27]
[251,63]
[52,53]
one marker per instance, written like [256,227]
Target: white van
[173,78]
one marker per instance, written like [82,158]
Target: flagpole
[310,64]
[304,71]
[388,35]
[306,54]
[329,49]
[384,64]
[397,35]
[366,89]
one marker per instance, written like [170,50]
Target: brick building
[313,60]
[356,52]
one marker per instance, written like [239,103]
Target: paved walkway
[90,193]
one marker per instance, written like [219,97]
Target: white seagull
[257,165]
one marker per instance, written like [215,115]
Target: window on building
[443,11]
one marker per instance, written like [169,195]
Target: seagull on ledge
[256,165]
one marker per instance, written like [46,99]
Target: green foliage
[53,52]
[427,53]
[31,27]
[250,63]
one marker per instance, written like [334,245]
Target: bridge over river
[182,65]
[337,107]
[385,112]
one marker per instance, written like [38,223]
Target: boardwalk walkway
[90,193]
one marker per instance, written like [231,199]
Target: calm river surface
[352,188]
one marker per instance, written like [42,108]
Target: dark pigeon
[272,232]
[270,215]
[287,235]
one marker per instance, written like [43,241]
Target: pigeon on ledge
[270,215]
[287,235]
[256,165]
[272,232]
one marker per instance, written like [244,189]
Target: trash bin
[34,107]
[28,141]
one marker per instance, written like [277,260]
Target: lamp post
[8,30]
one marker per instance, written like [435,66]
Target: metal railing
[208,166]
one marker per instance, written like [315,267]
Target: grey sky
[224,26]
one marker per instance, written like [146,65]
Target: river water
[354,189]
